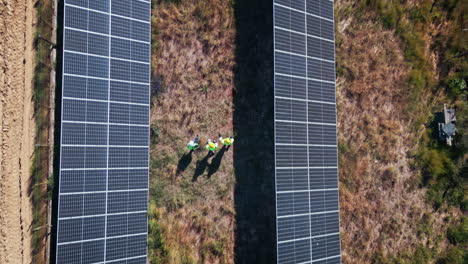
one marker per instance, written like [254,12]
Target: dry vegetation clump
[191,199]
[42,182]
[383,210]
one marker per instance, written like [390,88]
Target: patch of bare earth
[16,130]
[382,208]
[193,68]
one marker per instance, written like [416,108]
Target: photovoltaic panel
[306,163]
[103,179]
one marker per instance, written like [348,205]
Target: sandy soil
[17,129]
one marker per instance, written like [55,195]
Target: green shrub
[435,196]
[456,86]
[456,195]
[218,248]
[418,15]
[379,258]
[435,163]
[424,227]
[157,249]
[458,234]
[389,20]
[441,175]
[171,1]
[187,259]
[213,248]
[41,183]
[154,135]
[454,255]
[422,255]
[464,204]
[158,192]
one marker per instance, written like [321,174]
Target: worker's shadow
[201,167]
[216,162]
[184,162]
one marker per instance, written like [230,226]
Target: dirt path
[17,129]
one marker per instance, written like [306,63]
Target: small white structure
[447,129]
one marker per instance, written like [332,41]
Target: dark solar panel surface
[305,133]
[103,188]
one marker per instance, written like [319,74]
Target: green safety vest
[192,147]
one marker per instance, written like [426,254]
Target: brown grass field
[212,72]
[209,77]
[194,68]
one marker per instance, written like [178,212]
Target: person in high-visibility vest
[211,146]
[226,141]
[193,145]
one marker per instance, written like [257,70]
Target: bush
[424,227]
[379,258]
[454,255]
[187,259]
[41,184]
[458,234]
[157,249]
[441,175]
[435,163]
[456,86]
[422,255]
[213,248]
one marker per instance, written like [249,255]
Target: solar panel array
[306,169]
[103,181]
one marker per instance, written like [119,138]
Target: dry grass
[193,66]
[382,206]
[384,211]
[41,183]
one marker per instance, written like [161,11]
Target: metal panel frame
[307,123]
[108,124]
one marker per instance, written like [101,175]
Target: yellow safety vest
[212,149]
[225,143]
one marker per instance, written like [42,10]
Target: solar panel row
[103,181]
[305,133]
